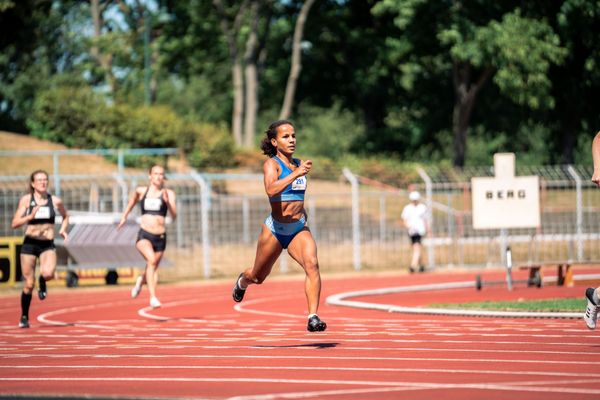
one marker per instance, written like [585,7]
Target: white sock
[311,315]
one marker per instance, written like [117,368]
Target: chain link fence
[569,220]
[356,226]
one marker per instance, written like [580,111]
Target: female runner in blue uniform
[151,242]
[285,183]
[38,210]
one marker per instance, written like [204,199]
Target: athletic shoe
[238,292]
[135,291]
[24,322]
[155,303]
[422,268]
[315,324]
[42,293]
[591,311]
[411,270]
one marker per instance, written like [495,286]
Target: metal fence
[569,220]
[356,226]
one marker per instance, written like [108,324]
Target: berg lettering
[505,194]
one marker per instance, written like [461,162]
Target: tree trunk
[465,94]
[460,127]
[296,62]
[251,78]
[104,60]
[238,102]
[237,75]
[569,138]
[153,79]
[251,105]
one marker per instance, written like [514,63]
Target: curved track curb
[341,300]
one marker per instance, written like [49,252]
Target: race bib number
[42,213]
[152,204]
[299,183]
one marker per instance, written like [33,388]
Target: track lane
[211,349]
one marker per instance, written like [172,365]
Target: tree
[33,47]
[296,61]
[576,82]
[482,43]
[103,58]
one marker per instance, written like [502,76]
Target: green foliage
[212,146]
[6,4]
[29,44]
[326,132]
[386,65]
[197,99]
[482,146]
[522,50]
[388,171]
[583,152]
[78,117]
[405,10]
[529,143]
[325,168]
[519,49]
[71,115]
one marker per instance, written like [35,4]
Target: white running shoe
[135,291]
[155,303]
[591,311]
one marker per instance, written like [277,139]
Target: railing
[220,216]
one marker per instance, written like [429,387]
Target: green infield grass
[550,305]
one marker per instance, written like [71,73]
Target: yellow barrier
[8,251]
[95,276]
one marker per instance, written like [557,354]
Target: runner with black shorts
[154,200]
[37,210]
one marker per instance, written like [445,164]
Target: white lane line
[150,343]
[421,385]
[49,317]
[320,368]
[46,318]
[339,392]
[145,312]
[306,338]
[340,299]
[583,340]
[323,393]
[409,386]
[243,307]
[298,357]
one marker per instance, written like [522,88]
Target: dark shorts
[416,238]
[159,242]
[35,247]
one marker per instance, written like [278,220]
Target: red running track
[99,343]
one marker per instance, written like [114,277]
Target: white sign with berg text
[506,200]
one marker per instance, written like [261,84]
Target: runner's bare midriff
[40,231]
[154,224]
[287,211]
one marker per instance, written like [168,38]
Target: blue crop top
[295,190]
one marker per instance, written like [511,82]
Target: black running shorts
[159,242]
[35,247]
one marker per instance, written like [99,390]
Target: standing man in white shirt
[414,217]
